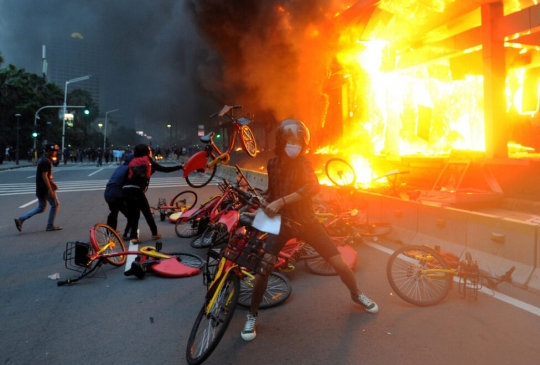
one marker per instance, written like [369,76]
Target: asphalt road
[124,320]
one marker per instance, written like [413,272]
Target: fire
[426,109]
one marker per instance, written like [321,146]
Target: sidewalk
[8,165]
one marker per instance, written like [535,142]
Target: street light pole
[17,152]
[82,78]
[170,136]
[105,134]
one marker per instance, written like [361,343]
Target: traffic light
[218,136]
[34,134]
[86,109]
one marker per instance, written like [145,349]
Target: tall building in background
[69,58]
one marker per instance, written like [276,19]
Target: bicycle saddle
[207,138]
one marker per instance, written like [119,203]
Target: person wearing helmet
[45,190]
[291,185]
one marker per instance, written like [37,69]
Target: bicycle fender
[230,219]
[196,162]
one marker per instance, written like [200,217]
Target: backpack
[140,169]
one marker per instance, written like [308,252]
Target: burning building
[396,82]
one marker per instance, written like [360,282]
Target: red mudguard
[196,162]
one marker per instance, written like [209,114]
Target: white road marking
[27,204]
[95,172]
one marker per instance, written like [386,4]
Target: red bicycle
[200,169]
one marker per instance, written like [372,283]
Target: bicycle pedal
[288,268]
[159,245]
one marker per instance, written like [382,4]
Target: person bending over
[141,168]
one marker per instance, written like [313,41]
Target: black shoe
[54,228]
[18,224]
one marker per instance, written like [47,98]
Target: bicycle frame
[199,161]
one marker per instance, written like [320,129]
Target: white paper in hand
[266,224]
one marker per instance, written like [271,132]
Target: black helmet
[295,129]
[52,147]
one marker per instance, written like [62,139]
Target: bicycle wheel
[211,324]
[247,138]
[213,235]
[320,266]
[340,172]
[187,228]
[374,228]
[184,200]
[278,290]
[408,276]
[102,235]
[200,178]
[307,252]
[188,259]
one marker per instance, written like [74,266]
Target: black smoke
[170,61]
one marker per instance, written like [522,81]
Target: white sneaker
[369,305]
[248,332]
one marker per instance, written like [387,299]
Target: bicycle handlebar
[225,110]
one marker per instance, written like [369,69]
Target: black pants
[117,205]
[313,234]
[137,203]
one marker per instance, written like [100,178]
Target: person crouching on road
[140,170]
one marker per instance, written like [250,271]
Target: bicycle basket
[250,255]
[76,255]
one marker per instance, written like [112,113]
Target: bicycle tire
[187,228]
[211,235]
[188,259]
[410,284]
[319,266]
[279,289]
[340,172]
[184,200]
[200,178]
[374,228]
[209,328]
[247,139]
[307,252]
[101,235]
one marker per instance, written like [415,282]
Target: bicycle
[183,201]
[224,272]
[342,174]
[200,169]
[423,276]
[106,246]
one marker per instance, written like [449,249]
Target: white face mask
[292,150]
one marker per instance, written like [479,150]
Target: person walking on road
[113,195]
[45,190]
[141,169]
[291,185]
[99,157]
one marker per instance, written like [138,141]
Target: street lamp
[170,137]
[82,78]
[17,152]
[105,134]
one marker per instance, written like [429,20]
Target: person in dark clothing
[135,198]
[113,195]
[292,184]
[45,190]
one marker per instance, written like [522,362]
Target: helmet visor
[295,132]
